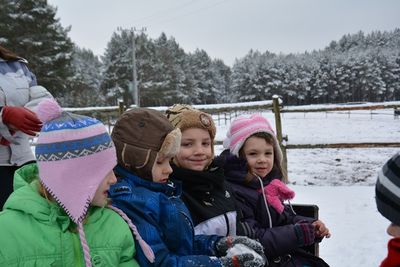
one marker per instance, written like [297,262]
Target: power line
[187,14]
[162,12]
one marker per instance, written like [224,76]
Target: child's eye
[206,144]
[186,144]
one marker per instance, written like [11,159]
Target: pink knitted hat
[74,154]
[243,127]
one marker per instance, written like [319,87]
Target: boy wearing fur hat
[205,192]
[252,164]
[56,215]
[146,142]
[387,191]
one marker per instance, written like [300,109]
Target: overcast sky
[228,29]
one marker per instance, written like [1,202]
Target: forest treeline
[359,67]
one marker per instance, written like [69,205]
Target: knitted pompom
[48,110]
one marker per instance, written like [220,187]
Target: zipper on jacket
[227,224]
[190,222]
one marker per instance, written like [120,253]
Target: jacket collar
[170,188]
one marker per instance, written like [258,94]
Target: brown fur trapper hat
[141,133]
[184,117]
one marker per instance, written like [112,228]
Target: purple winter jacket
[281,238]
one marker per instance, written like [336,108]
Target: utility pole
[134,85]
[135,91]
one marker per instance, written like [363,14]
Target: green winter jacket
[36,232]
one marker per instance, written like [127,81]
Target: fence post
[121,107]
[278,126]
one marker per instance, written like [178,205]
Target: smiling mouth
[198,160]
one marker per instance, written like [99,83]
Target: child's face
[259,156]
[161,169]
[101,196]
[196,151]
[393,230]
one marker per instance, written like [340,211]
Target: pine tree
[29,28]
[84,89]
[118,69]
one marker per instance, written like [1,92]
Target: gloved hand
[242,260]
[227,242]
[305,233]
[22,119]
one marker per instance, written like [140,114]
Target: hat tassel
[148,252]
[86,251]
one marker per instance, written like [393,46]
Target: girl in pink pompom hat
[58,214]
[253,167]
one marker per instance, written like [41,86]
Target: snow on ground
[358,230]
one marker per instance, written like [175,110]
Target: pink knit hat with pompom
[74,154]
[243,127]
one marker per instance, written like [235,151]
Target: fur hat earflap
[171,145]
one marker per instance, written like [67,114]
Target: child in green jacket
[57,215]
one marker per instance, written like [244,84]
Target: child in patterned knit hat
[252,164]
[146,142]
[205,192]
[387,192]
[58,215]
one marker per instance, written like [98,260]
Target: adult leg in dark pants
[6,182]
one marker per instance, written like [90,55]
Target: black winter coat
[209,200]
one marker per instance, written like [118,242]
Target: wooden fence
[224,113]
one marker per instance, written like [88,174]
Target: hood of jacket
[235,170]
[170,189]
[27,199]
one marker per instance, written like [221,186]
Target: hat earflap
[171,145]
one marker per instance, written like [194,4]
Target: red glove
[22,119]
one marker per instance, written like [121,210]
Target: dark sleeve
[294,218]
[205,244]
[277,241]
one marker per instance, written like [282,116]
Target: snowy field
[341,181]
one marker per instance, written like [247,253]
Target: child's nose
[199,149]
[262,159]
[168,169]
[113,179]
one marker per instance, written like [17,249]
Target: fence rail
[226,112]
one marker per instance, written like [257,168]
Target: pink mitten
[276,193]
